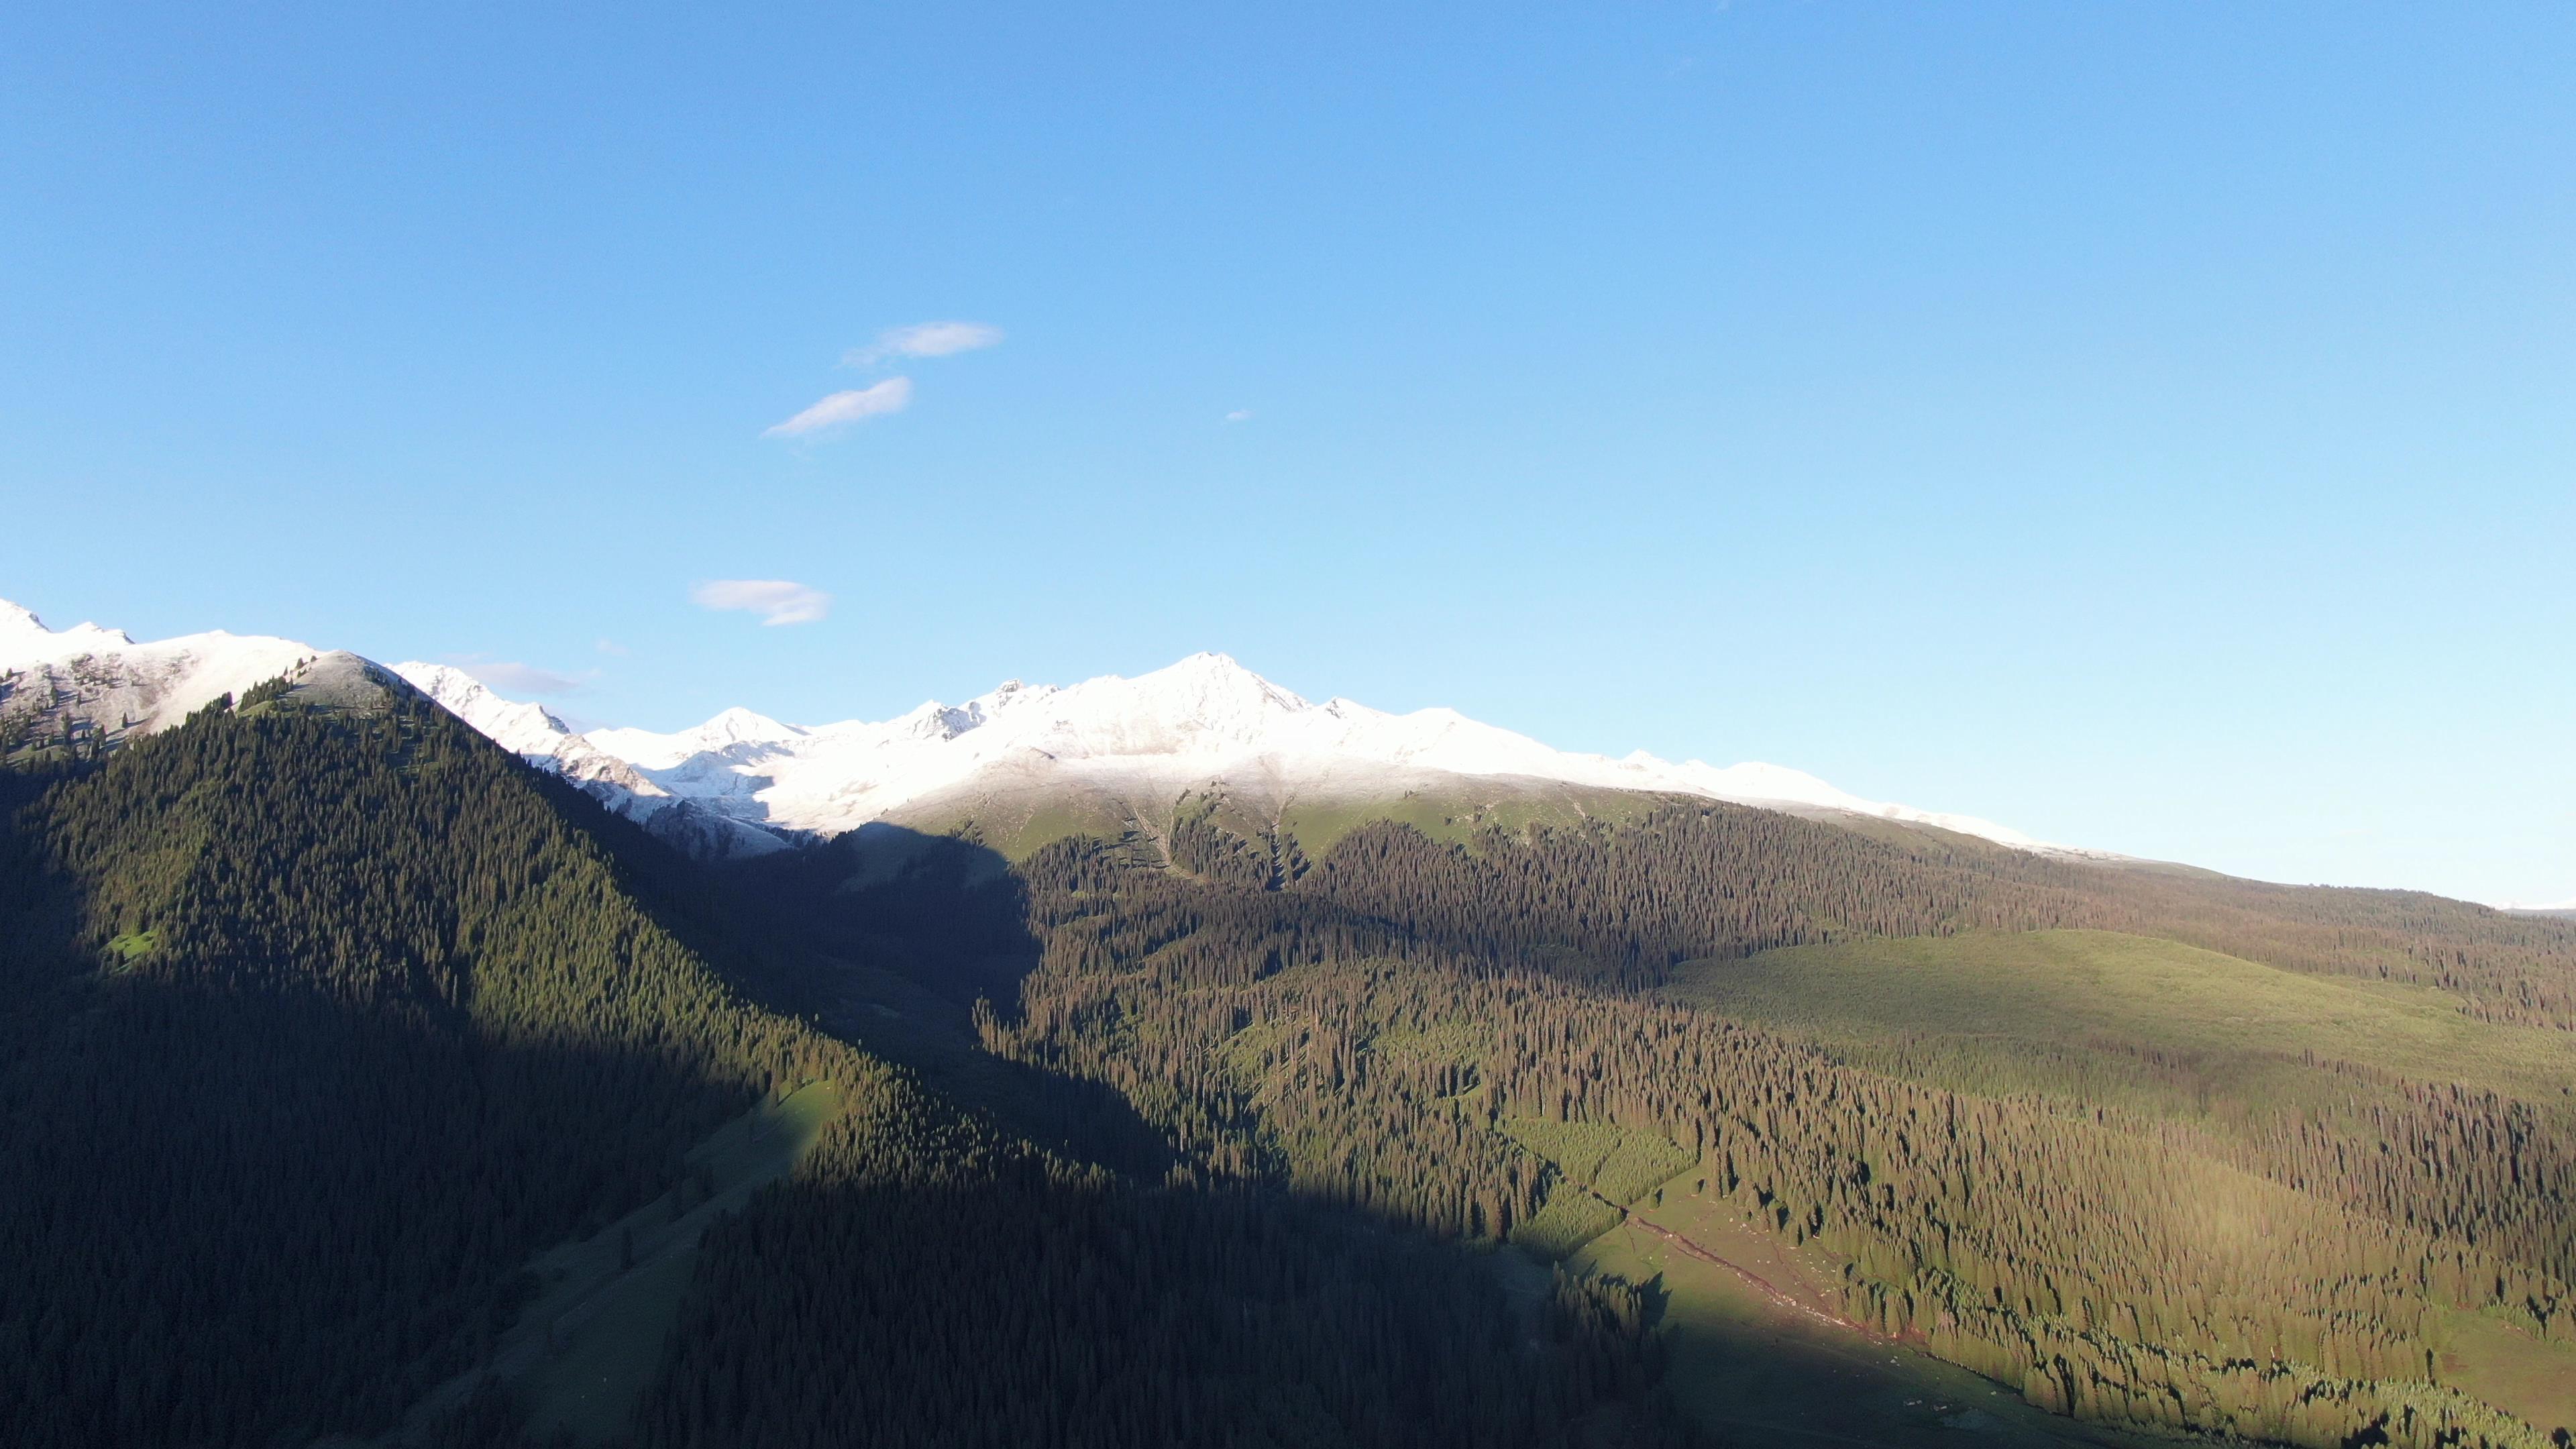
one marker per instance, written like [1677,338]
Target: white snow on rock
[1205,719]
[139,687]
[122,689]
[534,734]
[528,729]
[25,640]
[745,784]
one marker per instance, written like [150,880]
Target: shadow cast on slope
[254,1217]
[311,1032]
[892,940]
[1012,1301]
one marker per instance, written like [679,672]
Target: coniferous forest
[324,1026]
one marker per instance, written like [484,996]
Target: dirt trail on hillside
[1765,1286]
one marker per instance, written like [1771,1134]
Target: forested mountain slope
[324,1017]
[1392,1026]
[317,1023]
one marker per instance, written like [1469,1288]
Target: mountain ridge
[1126,748]
[1206,725]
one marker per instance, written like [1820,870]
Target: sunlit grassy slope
[584,1348]
[1016,823]
[2097,1018]
[1759,1363]
[611,1299]
[2034,1011]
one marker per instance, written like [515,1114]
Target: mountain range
[1176,1060]
[1018,767]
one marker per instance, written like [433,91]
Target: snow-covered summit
[534,733]
[24,639]
[528,729]
[732,729]
[744,782]
[101,682]
[104,675]
[1204,723]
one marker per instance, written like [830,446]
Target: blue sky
[2150,426]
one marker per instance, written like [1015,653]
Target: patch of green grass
[1600,1167]
[133,946]
[1447,1043]
[2126,1020]
[1756,1370]
[1568,1219]
[2489,1358]
[1056,820]
[1620,1163]
[585,1347]
[1459,811]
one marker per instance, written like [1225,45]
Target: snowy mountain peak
[532,732]
[1205,723]
[24,639]
[528,729]
[127,687]
[744,782]
[1207,694]
[737,734]
[1215,674]
[741,726]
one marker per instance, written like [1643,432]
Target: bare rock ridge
[1025,762]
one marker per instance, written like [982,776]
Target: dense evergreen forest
[926,1283]
[315,1027]
[1364,1029]
[321,1023]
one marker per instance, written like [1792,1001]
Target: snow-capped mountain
[103,678]
[534,734]
[1018,762]
[1206,725]
[100,688]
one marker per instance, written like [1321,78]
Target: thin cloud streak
[844,408]
[924,339]
[777,601]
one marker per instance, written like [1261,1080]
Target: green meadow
[2106,1018]
[585,1347]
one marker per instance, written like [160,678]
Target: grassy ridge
[1768,1367]
[610,1300]
[2231,1050]
[2034,1011]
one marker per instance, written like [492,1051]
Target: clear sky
[2151,426]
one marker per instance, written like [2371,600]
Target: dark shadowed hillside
[326,1022]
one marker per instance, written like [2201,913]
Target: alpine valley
[1176,1060]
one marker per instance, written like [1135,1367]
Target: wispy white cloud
[843,408]
[924,339]
[512,677]
[611,646]
[1239,415]
[776,600]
